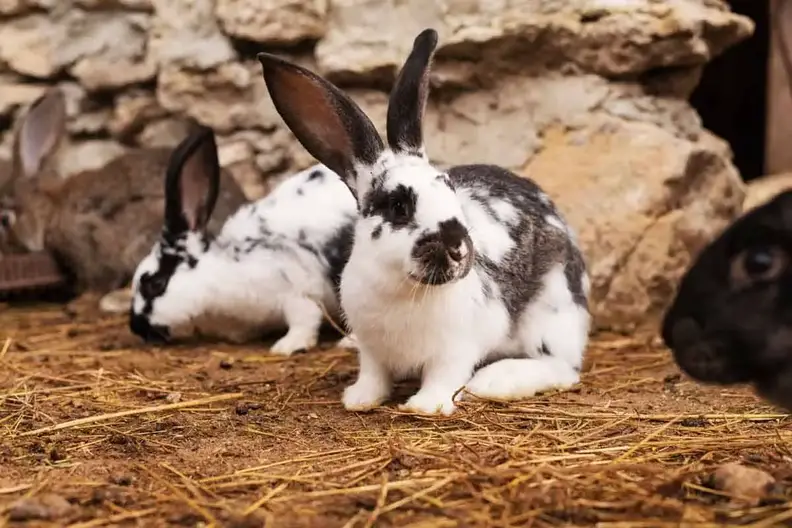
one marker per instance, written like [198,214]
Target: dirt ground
[98,430]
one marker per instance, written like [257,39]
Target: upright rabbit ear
[408,97]
[192,183]
[40,133]
[330,126]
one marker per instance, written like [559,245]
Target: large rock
[643,202]
[28,45]
[132,111]
[18,7]
[86,115]
[763,189]
[230,97]
[276,22]
[103,49]
[166,132]
[504,123]
[185,33]
[611,38]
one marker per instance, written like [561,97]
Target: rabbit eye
[758,263]
[397,208]
[7,219]
[152,286]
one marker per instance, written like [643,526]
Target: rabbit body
[525,297]
[468,278]
[274,264]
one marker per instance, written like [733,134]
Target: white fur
[405,329]
[264,289]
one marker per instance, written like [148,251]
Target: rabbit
[730,320]
[275,263]
[468,277]
[98,224]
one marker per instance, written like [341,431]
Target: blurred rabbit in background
[98,224]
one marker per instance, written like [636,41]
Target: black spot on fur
[545,350]
[173,253]
[396,207]
[452,232]
[445,254]
[337,250]
[376,232]
[316,175]
[300,192]
[574,271]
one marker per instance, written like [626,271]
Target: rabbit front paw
[429,403]
[293,342]
[364,395]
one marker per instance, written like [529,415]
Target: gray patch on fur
[538,246]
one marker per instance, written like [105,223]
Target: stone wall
[586,96]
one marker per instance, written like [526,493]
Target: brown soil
[228,436]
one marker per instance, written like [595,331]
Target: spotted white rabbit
[468,278]
[270,264]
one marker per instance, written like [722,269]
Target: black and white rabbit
[730,321]
[468,278]
[271,265]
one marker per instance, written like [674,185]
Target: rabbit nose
[685,332]
[453,236]
[458,253]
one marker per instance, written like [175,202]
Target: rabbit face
[28,203]
[412,221]
[161,305]
[24,215]
[164,300]
[731,319]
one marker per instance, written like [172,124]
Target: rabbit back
[311,211]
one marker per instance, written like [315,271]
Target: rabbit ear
[330,126]
[41,131]
[192,182]
[408,97]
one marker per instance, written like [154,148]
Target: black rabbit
[731,319]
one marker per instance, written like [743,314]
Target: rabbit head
[27,201]
[731,319]
[162,292]
[410,220]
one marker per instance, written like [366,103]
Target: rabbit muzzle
[443,256]
[707,358]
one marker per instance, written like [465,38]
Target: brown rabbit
[98,223]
